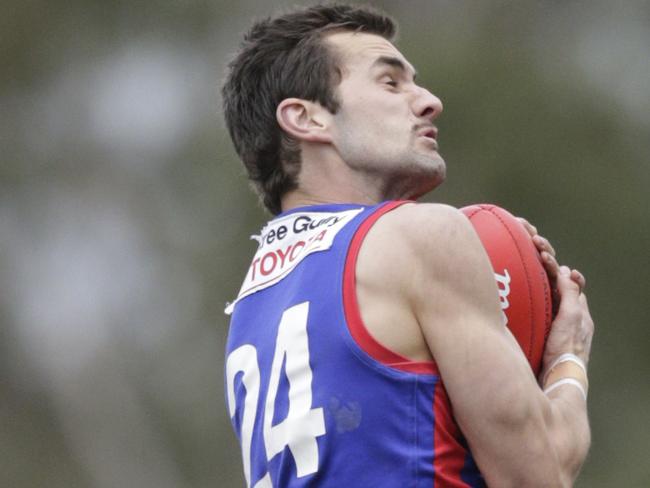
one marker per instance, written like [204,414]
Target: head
[306,56]
[384,128]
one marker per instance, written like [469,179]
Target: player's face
[385,124]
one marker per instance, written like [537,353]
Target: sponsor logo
[503,284]
[285,242]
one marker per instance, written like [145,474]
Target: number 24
[303,424]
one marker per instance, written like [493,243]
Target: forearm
[565,387]
[569,430]
[527,438]
[524,437]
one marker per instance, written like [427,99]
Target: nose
[426,105]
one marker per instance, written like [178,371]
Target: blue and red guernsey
[314,399]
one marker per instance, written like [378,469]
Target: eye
[391,82]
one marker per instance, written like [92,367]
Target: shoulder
[430,250]
[425,233]
[403,261]
[418,221]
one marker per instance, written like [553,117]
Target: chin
[432,176]
[420,178]
[425,187]
[432,166]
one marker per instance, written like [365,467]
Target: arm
[566,337]
[519,436]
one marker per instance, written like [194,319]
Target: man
[366,346]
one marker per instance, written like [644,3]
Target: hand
[573,328]
[547,253]
[541,243]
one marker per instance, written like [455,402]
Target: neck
[325,178]
[328,193]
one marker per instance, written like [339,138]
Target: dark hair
[279,58]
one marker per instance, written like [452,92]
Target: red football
[524,288]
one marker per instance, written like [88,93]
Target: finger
[543,244]
[587,320]
[585,306]
[568,305]
[532,230]
[579,278]
[552,270]
[583,300]
[550,265]
[568,289]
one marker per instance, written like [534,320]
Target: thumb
[568,290]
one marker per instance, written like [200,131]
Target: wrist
[567,369]
[570,382]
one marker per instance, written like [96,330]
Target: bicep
[456,303]
[490,385]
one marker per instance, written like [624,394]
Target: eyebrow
[394,63]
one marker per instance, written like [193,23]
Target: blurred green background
[125,215]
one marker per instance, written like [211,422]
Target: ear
[304,120]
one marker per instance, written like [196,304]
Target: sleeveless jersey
[314,400]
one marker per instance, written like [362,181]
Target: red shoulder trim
[351,308]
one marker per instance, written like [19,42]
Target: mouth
[429,133]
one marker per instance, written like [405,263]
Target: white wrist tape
[567,381]
[563,358]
